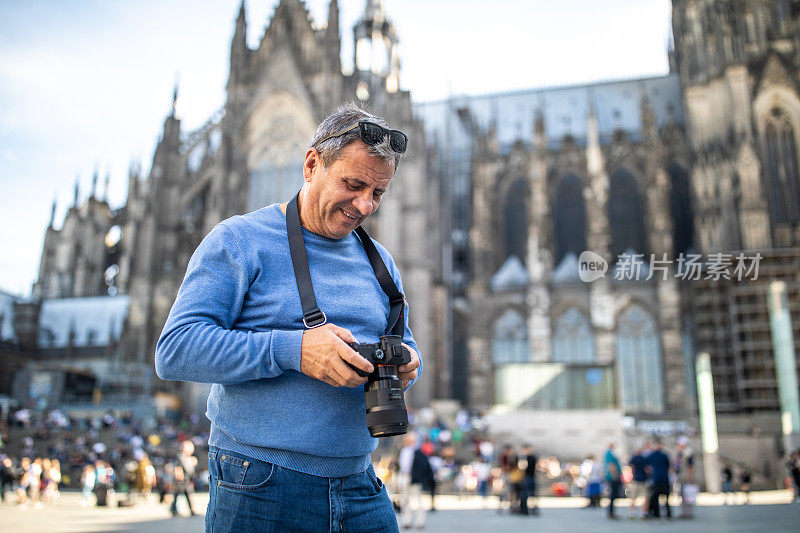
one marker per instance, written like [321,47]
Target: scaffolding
[730,321]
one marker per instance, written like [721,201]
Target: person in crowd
[685,472]
[638,486]
[421,479]
[516,478]
[7,477]
[483,474]
[185,469]
[793,466]
[436,464]
[104,483]
[613,475]
[527,464]
[35,482]
[285,391]
[167,486]
[88,478]
[745,478]
[145,476]
[506,455]
[594,480]
[24,477]
[727,483]
[659,468]
[405,460]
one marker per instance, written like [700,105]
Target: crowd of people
[516,474]
[114,459]
[652,477]
[118,460]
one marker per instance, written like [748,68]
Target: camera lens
[386,407]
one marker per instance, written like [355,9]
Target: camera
[383,392]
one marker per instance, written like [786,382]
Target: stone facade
[658,166]
[498,197]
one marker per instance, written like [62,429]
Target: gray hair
[348,115]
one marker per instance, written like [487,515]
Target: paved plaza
[771,512]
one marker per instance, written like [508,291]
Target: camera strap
[313,316]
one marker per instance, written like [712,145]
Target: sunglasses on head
[373,134]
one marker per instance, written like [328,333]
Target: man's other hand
[324,355]
[408,372]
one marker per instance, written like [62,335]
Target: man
[659,468]
[527,465]
[613,473]
[684,469]
[638,465]
[289,445]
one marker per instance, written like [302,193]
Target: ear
[311,164]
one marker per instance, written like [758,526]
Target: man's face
[341,196]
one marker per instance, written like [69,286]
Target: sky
[85,85]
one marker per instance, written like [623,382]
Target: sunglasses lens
[398,141]
[371,133]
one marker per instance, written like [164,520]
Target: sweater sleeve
[200,342]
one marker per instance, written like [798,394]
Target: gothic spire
[77,190]
[332,36]
[238,47]
[94,183]
[52,213]
[105,186]
[240,33]
[174,97]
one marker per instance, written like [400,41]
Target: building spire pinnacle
[94,183]
[52,213]
[175,95]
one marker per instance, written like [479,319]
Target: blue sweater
[237,323]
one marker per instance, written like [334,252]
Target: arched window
[782,175]
[680,207]
[515,219]
[510,339]
[570,217]
[625,214]
[573,341]
[639,362]
[274,183]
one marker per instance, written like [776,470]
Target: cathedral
[489,217]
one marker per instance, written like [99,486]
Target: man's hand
[324,355]
[408,372]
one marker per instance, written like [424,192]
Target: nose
[363,202]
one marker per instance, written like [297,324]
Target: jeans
[246,494]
